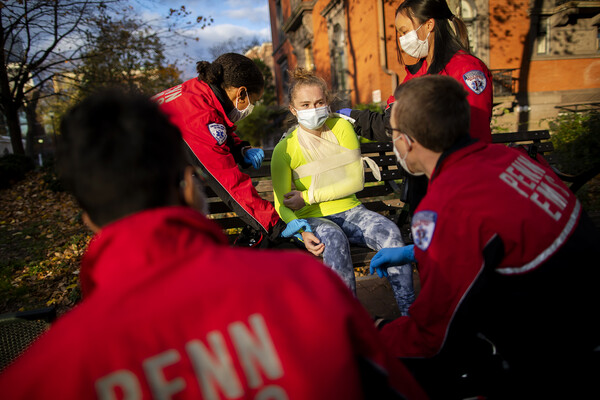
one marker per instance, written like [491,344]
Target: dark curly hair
[232,70]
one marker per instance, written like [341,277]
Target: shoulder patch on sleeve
[423,226]
[475,80]
[219,132]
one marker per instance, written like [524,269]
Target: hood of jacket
[141,244]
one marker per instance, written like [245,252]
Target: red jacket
[194,108]
[465,68]
[169,311]
[477,81]
[491,214]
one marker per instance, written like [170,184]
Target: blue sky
[232,19]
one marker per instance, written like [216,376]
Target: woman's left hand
[293,200]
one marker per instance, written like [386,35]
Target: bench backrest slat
[515,137]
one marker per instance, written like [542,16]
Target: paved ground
[375,294]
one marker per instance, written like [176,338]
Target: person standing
[428,45]
[169,309]
[507,259]
[322,159]
[206,109]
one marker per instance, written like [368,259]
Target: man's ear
[188,186]
[193,191]
[87,221]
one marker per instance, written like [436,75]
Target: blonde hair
[304,77]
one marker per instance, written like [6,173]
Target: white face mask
[402,160]
[412,46]
[312,118]
[236,115]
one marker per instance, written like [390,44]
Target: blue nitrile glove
[254,157]
[344,111]
[391,256]
[293,228]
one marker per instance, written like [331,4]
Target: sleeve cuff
[305,197]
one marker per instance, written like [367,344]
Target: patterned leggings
[360,226]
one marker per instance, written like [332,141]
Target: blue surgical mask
[312,118]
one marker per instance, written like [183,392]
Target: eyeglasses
[389,131]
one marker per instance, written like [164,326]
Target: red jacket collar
[461,149]
[217,98]
[134,246]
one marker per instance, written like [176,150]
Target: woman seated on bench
[322,159]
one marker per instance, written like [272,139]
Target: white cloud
[258,14]
[232,19]
[215,34]
[209,37]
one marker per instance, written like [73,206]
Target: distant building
[263,52]
[544,54]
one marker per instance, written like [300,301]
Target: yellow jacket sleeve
[281,175]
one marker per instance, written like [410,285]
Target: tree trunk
[34,128]
[14,129]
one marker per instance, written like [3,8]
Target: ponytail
[210,73]
[461,31]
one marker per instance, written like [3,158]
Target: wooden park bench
[385,196]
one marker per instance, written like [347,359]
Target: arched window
[338,58]
[468,13]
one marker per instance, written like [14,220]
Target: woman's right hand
[312,243]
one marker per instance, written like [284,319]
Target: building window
[468,13]
[309,62]
[279,10]
[543,36]
[338,60]
[285,79]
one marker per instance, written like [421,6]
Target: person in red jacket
[507,259]
[206,109]
[169,310]
[428,45]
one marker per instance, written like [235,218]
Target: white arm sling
[338,170]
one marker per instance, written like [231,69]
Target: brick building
[545,54]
